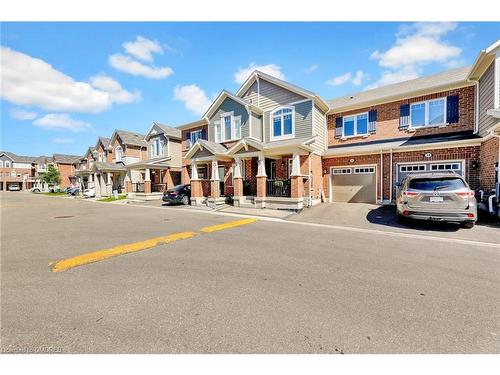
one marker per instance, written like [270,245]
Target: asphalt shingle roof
[66,159]
[170,131]
[402,89]
[131,138]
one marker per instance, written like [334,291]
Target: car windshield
[433,184]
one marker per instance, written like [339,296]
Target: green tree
[52,176]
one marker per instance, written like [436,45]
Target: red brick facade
[388,118]
[489,160]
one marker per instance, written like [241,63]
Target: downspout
[390,179]
[381,177]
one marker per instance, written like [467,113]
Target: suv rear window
[441,184]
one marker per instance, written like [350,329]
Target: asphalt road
[263,287]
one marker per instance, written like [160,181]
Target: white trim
[462,161]
[355,116]
[426,114]
[283,136]
[497,82]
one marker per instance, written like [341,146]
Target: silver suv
[437,196]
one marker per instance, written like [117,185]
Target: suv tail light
[469,193]
[410,193]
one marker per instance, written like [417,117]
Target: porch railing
[158,188]
[278,188]
[138,187]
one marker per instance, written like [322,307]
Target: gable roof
[19,158]
[130,138]
[436,82]
[212,147]
[105,142]
[66,159]
[193,124]
[167,130]
[483,61]
[279,82]
[226,94]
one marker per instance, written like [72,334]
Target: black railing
[138,187]
[158,188]
[278,188]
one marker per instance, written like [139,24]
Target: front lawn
[56,194]
[112,199]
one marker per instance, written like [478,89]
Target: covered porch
[107,178]
[148,179]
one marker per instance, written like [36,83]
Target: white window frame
[7,164]
[345,170]
[426,114]
[356,134]
[420,168]
[119,155]
[199,132]
[1,163]
[444,169]
[233,136]
[364,170]
[271,124]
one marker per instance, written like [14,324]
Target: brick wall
[469,154]
[488,156]
[388,118]
[66,170]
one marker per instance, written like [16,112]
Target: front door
[221,179]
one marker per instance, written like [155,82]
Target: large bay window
[428,113]
[355,125]
[283,123]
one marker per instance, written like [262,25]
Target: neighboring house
[17,170]
[84,166]
[273,144]
[486,73]
[263,146]
[160,168]
[66,164]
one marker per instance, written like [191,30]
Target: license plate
[436,199]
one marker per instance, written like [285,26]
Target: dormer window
[283,125]
[119,153]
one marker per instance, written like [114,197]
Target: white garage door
[354,184]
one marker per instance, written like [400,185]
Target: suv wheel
[185,200]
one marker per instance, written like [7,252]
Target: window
[230,126]
[364,170]
[7,163]
[441,184]
[119,153]
[1,163]
[412,168]
[445,167]
[355,125]
[194,136]
[227,127]
[342,170]
[217,128]
[283,123]
[202,172]
[429,113]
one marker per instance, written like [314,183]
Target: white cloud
[243,73]
[356,79]
[114,89]
[61,121]
[128,65]
[143,48]
[394,76]
[63,140]
[27,80]
[194,98]
[311,68]
[420,43]
[21,114]
[416,45]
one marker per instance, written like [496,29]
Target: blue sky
[64,84]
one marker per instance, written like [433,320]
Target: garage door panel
[354,188]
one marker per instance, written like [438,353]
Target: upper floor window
[157,148]
[228,128]
[195,135]
[1,163]
[101,157]
[283,123]
[429,113]
[355,125]
[119,153]
[7,163]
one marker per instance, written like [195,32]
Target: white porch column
[215,170]
[97,186]
[109,178]
[103,184]
[237,168]
[295,164]
[147,176]
[194,170]
[261,166]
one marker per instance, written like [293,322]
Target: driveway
[383,218]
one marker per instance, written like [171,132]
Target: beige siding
[271,95]
[486,99]
[256,127]
[175,151]
[319,130]
[303,121]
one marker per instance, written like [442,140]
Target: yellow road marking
[96,256]
[231,224]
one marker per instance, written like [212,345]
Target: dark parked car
[73,191]
[178,194]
